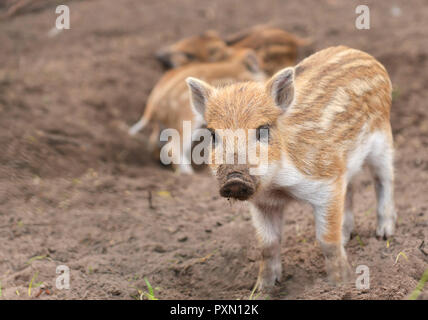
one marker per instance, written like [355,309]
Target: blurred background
[75,189]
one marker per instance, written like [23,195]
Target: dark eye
[262,133]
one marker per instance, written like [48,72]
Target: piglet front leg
[267,219]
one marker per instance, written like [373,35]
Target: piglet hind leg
[348,220]
[380,161]
[268,221]
[328,219]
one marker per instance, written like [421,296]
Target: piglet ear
[281,88]
[252,62]
[199,94]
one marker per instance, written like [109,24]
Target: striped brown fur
[327,116]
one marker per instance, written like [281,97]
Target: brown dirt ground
[75,188]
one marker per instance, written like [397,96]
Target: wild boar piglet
[318,123]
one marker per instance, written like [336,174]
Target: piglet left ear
[199,93]
[281,88]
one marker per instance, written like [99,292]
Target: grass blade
[414,295]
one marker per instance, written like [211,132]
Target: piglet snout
[236,187]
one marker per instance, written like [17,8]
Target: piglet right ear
[199,94]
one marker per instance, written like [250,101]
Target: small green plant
[36,258]
[414,295]
[33,284]
[151,294]
[401,253]
[252,296]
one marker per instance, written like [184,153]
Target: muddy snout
[237,186]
